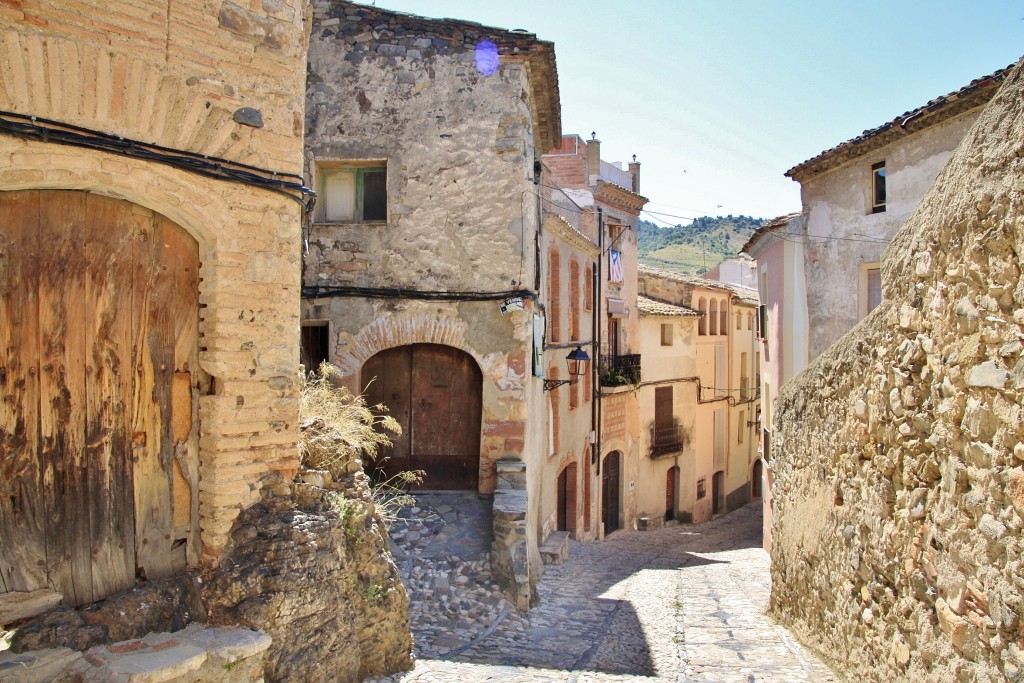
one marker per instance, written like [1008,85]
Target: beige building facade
[172,211]
[719,469]
[604,198]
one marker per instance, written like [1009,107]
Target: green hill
[697,247]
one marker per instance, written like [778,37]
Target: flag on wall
[615,266]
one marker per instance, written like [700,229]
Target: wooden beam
[22,605]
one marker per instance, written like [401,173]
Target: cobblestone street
[683,603]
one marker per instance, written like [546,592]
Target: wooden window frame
[360,168]
[666,334]
[878,199]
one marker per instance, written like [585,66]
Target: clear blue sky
[718,98]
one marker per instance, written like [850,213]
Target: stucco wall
[173,74]
[837,205]
[899,485]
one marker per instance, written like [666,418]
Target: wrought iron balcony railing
[666,439]
[619,371]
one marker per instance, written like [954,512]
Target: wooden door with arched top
[98,454]
[435,393]
[610,491]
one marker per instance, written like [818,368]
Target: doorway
[610,492]
[99,314]
[671,485]
[566,499]
[435,394]
[717,493]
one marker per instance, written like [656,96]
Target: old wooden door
[670,493]
[435,393]
[98,322]
[610,492]
[718,493]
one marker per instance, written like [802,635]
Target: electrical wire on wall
[46,130]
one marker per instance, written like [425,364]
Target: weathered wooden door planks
[98,322]
[435,393]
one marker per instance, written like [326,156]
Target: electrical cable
[46,130]
[344,291]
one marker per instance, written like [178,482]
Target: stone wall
[898,481]
[176,75]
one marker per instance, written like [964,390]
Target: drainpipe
[596,366]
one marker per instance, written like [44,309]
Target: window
[352,193]
[664,434]
[554,297]
[870,288]
[741,426]
[666,334]
[702,487]
[702,328]
[574,300]
[762,321]
[588,289]
[739,320]
[713,317]
[874,282]
[723,319]
[878,187]
[750,321]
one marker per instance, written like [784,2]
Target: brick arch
[403,330]
[182,197]
[117,92]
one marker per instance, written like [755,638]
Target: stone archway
[98,438]
[435,393]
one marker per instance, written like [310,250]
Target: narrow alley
[682,603]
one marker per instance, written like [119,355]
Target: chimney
[593,159]
[634,170]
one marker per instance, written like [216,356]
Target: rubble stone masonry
[899,481]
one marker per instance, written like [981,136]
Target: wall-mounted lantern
[579,364]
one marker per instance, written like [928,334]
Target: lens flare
[486,57]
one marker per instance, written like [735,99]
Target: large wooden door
[610,492]
[435,393]
[98,325]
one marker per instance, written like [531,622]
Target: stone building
[161,180]
[152,197]
[855,197]
[422,269]
[606,198]
[819,271]
[899,489]
[699,405]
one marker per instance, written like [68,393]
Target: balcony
[619,371]
[666,439]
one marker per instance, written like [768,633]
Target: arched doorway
[755,479]
[671,487]
[718,493]
[610,491]
[98,328]
[566,499]
[435,393]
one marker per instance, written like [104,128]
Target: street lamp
[578,362]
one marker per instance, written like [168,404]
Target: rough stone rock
[315,574]
[924,466]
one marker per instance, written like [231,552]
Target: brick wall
[174,74]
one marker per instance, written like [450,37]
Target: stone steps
[555,549]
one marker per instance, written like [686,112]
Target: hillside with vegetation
[697,247]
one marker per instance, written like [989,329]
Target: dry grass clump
[337,428]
